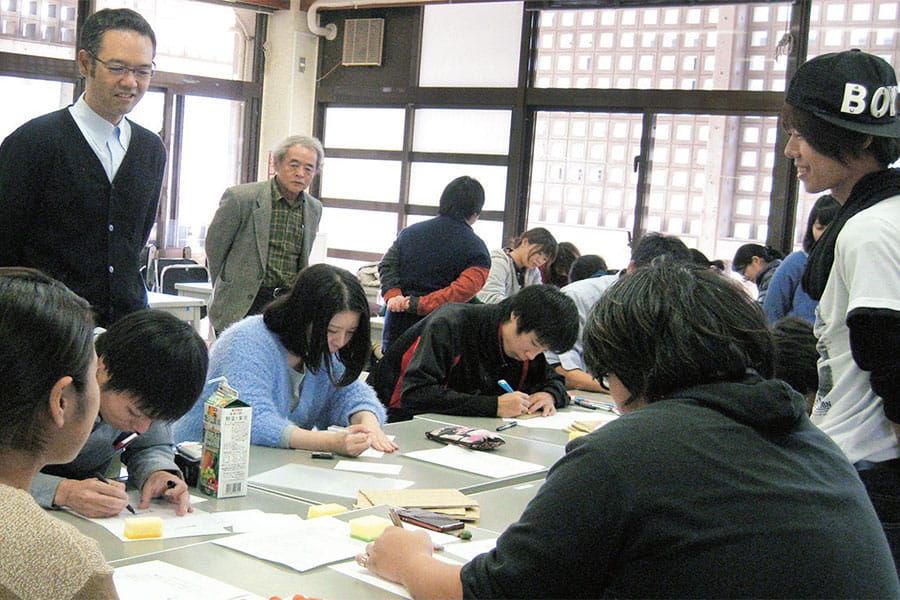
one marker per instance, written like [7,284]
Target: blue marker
[506,387]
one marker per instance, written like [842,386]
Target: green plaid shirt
[285,240]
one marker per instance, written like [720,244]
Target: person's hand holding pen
[352,440]
[94,498]
[163,484]
[512,403]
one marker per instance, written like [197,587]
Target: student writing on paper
[586,292]
[713,483]
[48,403]
[450,363]
[298,364]
[151,367]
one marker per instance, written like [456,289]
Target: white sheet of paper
[371,452]
[469,550]
[198,522]
[157,580]
[326,481]
[352,569]
[475,461]
[364,467]
[561,420]
[312,543]
[253,519]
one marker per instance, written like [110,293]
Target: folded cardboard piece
[450,502]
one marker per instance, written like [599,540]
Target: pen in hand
[100,476]
[395,519]
[506,387]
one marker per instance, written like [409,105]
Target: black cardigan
[59,212]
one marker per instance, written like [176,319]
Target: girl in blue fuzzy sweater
[298,366]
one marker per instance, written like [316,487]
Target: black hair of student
[653,244]
[46,333]
[672,325]
[541,238]
[109,19]
[158,359]
[744,255]
[698,258]
[585,266]
[836,142]
[823,212]
[558,269]
[796,356]
[300,319]
[546,311]
[463,198]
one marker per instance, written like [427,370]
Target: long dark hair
[300,319]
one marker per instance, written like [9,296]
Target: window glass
[710,181]
[461,130]
[39,28]
[210,163]
[360,179]
[672,48]
[428,180]
[360,230]
[364,128]
[471,45]
[34,97]
[197,38]
[149,111]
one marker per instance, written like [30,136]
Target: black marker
[506,426]
[100,476]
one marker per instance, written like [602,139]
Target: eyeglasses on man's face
[119,70]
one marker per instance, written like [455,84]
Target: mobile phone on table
[429,520]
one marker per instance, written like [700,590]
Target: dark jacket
[450,363]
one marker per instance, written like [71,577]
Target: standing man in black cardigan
[79,187]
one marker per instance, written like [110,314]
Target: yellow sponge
[138,528]
[322,510]
[368,528]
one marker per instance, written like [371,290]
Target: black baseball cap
[851,89]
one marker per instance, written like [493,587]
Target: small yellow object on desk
[576,434]
[139,528]
[322,510]
[368,528]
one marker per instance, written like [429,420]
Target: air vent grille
[362,42]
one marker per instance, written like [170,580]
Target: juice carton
[226,444]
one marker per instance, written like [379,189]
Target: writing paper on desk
[352,569]
[158,580]
[308,545]
[365,467]
[194,523]
[324,481]
[561,420]
[475,461]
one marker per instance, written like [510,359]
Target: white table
[199,289]
[183,307]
